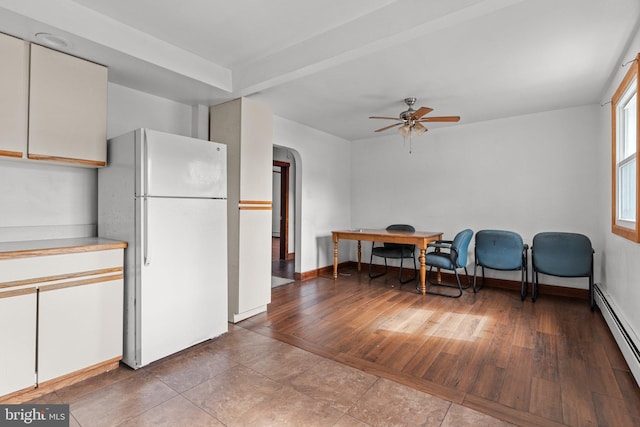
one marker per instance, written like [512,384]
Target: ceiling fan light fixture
[405,130]
[419,129]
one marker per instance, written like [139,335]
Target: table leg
[423,272]
[359,255]
[335,259]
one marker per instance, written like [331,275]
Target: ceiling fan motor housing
[406,114]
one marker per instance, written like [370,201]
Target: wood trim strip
[7,153]
[47,387]
[80,375]
[17,292]
[81,282]
[61,250]
[60,277]
[255,205]
[255,208]
[255,202]
[98,163]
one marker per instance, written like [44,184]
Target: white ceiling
[330,64]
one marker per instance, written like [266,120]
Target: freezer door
[183,274]
[179,166]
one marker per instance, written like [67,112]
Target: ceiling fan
[410,121]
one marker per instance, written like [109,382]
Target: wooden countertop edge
[62,250]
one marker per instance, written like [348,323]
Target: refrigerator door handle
[145,228]
[146,161]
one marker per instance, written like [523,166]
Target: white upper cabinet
[14,89]
[67,109]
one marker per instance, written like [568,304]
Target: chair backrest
[400,227]
[499,249]
[461,245]
[562,254]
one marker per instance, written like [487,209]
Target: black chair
[562,255]
[501,250]
[394,251]
[449,255]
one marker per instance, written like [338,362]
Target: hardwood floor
[549,363]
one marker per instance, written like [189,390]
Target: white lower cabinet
[61,311]
[18,332]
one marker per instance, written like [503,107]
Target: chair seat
[392,252]
[439,260]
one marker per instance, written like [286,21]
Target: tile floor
[246,379]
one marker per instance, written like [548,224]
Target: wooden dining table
[419,238]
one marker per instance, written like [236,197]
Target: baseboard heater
[623,334]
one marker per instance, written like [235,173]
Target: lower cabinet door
[18,332]
[79,326]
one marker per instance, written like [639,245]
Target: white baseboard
[622,332]
[238,317]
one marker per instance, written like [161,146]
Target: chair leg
[458,284]
[524,284]
[534,286]
[415,273]
[475,277]
[379,274]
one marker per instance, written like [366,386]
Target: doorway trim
[284,208]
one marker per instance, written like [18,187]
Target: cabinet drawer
[60,267]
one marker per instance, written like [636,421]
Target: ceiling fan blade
[380,117]
[421,112]
[388,127]
[441,119]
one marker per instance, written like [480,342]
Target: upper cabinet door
[67,109]
[14,84]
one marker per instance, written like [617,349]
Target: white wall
[42,201]
[527,174]
[323,198]
[620,267]
[130,109]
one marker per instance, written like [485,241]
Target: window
[624,123]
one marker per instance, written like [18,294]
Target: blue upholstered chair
[562,255]
[449,255]
[501,250]
[394,251]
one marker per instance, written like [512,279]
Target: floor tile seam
[83,395]
[144,412]
[202,409]
[357,401]
[137,414]
[290,386]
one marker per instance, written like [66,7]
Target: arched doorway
[283,220]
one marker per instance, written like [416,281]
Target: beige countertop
[31,248]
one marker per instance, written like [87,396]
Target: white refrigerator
[166,195]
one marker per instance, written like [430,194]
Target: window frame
[627,229]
